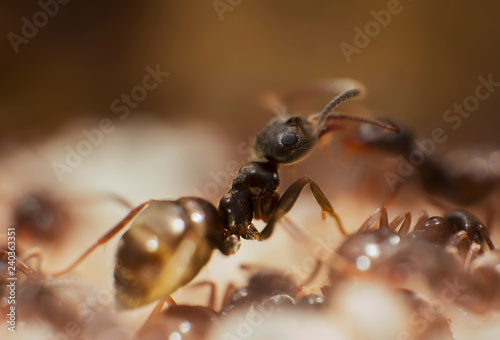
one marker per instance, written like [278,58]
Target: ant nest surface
[151,159]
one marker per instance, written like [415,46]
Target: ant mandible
[169,242]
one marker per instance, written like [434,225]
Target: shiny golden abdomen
[165,248]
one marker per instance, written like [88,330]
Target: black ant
[435,178]
[169,242]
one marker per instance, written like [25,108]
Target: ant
[485,272]
[459,229]
[265,287]
[271,286]
[169,242]
[180,321]
[42,217]
[431,250]
[35,297]
[435,178]
[63,304]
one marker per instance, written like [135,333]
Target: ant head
[288,140]
[285,140]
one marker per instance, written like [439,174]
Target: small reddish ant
[429,250]
[168,242]
[459,229]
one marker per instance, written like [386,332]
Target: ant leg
[485,234]
[380,214]
[37,256]
[314,273]
[19,264]
[370,221]
[213,292]
[119,199]
[458,237]
[306,291]
[422,217]
[91,199]
[288,199]
[230,289]
[298,233]
[384,219]
[455,243]
[157,310]
[122,224]
[405,226]
[474,249]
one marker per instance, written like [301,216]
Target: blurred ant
[427,322]
[42,217]
[435,178]
[459,229]
[63,304]
[265,287]
[189,322]
[169,242]
[271,286]
[34,298]
[37,216]
[485,274]
[429,250]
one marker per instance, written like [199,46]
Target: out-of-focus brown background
[426,59]
[221,55]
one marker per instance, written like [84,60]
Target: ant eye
[289,138]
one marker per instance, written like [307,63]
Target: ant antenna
[358,90]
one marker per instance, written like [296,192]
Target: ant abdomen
[435,230]
[164,249]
